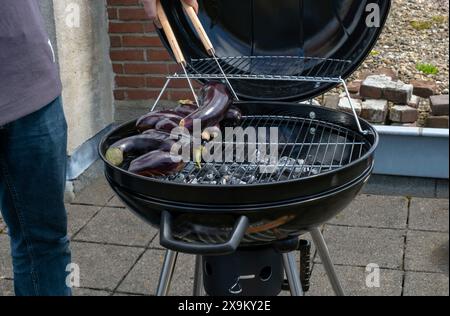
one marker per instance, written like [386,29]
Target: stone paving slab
[375,211]
[103,266]
[2,224]
[426,284]
[143,279]
[5,258]
[79,216]
[427,252]
[429,214]
[89,292]
[98,194]
[6,287]
[353,281]
[115,202]
[362,246]
[117,226]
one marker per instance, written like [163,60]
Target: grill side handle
[168,241]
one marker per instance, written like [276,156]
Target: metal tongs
[176,49]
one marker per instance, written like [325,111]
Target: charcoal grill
[226,209]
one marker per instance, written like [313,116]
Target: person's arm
[150,9]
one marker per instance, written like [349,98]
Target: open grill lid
[332,29]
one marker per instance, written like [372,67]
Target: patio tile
[143,279]
[115,202]
[117,226]
[98,194]
[429,214]
[2,224]
[79,216]
[362,246]
[103,266]
[89,292]
[6,270]
[353,281]
[375,211]
[6,287]
[427,252]
[426,284]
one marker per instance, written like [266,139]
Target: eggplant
[157,163]
[166,125]
[186,109]
[149,121]
[215,100]
[137,146]
[233,116]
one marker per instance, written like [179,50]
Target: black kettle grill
[273,54]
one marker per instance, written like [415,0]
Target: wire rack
[284,68]
[278,68]
[306,147]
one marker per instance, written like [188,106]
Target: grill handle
[169,242]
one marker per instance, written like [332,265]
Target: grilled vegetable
[186,110]
[211,133]
[137,146]
[215,102]
[233,116]
[166,125]
[150,120]
[157,163]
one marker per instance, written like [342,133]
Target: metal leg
[198,277]
[324,254]
[290,267]
[160,94]
[167,273]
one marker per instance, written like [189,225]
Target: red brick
[141,41]
[158,55]
[118,68]
[145,69]
[112,14]
[116,41]
[122,2]
[126,27]
[176,95]
[135,14]
[127,55]
[130,82]
[143,94]
[119,95]
[149,27]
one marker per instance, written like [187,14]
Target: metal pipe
[161,94]
[324,254]
[293,277]
[198,277]
[168,268]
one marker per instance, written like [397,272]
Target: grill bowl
[207,213]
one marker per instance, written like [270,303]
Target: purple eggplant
[150,120]
[215,100]
[233,116]
[157,163]
[137,146]
[166,125]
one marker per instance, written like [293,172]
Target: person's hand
[150,9]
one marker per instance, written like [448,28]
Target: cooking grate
[284,68]
[306,147]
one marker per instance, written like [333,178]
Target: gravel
[401,46]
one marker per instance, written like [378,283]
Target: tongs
[174,45]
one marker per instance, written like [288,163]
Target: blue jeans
[32,184]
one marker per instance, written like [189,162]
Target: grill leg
[198,277]
[167,273]
[324,254]
[290,267]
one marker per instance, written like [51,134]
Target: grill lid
[337,30]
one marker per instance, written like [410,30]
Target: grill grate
[281,68]
[306,147]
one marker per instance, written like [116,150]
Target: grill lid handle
[169,242]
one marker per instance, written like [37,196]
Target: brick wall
[140,62]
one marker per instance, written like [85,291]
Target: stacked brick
[140,62]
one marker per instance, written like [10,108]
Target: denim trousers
[33,153]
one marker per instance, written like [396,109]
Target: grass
[374,53]
[421,25]
[427,69]
[440,19]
